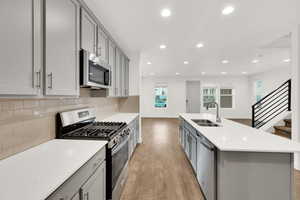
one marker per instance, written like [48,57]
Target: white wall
[177,95]
[296,90]
[270,80]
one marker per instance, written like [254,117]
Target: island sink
[205,122]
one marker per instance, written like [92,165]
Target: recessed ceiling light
[152,74]
[228,10]
[149,63]
[225,61]
[287,60]
[203,73]
[186,62]
[223,73]
[165,12]
[244,72]
[200,45]
[255,61]
[177,73]
[162,46]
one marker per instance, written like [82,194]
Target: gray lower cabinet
[61,47]
[134,136]
[20,58]
[193,151]
[201,155]
[94,188]
[88,183]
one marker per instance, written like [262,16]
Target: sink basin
[205,122]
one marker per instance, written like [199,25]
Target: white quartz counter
[122,117]
[36,173]
[232,136]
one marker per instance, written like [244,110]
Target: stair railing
[275,103]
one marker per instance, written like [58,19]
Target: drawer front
[73,184]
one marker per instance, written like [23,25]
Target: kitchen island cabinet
[236,162]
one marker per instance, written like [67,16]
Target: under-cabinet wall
[26,123]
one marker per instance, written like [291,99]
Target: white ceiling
[254,30]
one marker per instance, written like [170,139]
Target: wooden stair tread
[284,129]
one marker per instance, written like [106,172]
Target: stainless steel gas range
[81,124]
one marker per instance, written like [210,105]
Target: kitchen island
[236,162]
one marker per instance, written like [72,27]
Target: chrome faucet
[218,119]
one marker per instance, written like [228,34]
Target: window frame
[161,85]
[218,96]
[202,95]
[232,95]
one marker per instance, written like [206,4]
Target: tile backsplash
[27,123]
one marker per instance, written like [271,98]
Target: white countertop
[37,172]
[121,117]
[232,136]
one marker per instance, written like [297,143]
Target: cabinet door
[126,76]
[102,46]
[112,64]
[19,50]
[95,188]
[118,73]
[122,75]
[88,33]
[193,152]
[186,142]
[61,47]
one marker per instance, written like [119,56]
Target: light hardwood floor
[159,169]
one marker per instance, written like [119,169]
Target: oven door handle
[114,151]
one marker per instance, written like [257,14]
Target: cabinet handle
[50,76]
[38,77]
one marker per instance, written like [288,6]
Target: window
[160,96]
[209,95]
[226,98]
[258,90]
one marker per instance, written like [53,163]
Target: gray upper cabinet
[102,46]
[118,73]
[95,188]
[112,64]
[20,62]
[61,47]
[122,75]
[126,77]
[88,33]
[44,58]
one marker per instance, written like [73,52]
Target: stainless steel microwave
[93,72]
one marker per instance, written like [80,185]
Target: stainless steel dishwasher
[206,168]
